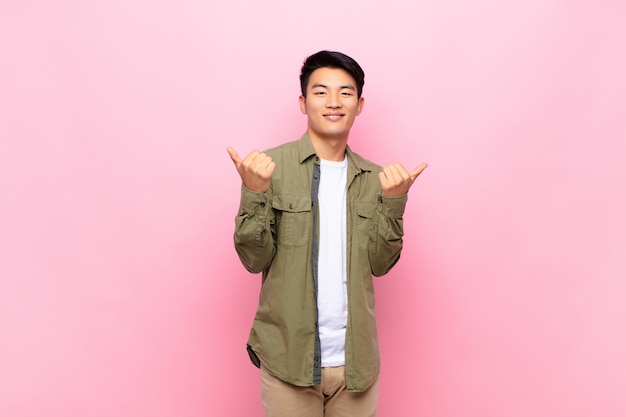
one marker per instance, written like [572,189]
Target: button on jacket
[276,234]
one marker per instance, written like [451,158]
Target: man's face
[331,103]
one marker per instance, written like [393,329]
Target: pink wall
[120,291]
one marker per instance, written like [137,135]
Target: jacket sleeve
[254,237]
[386,233]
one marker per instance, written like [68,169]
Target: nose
[333,101]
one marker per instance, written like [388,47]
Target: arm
[255,235]
[386,239]
[386,234]
[254,232]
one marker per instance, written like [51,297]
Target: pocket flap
[365,209]
[291,203]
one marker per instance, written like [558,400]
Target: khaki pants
[329,399]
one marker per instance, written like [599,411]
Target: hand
[255,169]
[395,180]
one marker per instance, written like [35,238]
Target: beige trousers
[329,399]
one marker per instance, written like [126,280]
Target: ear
[359,107]
[303,104]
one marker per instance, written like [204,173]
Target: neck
[330,149]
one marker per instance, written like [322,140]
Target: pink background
[121,293]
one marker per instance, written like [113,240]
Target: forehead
[331,77]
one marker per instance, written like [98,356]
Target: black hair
[331,59]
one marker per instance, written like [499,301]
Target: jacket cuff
[251,201]
[393,207]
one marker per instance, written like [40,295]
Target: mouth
[333,117]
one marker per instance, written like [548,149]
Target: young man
[318,221]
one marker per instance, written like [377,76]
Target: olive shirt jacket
[276,234]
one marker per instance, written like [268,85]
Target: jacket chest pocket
[294,219]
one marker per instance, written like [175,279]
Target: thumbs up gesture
[395,180]
[255,169]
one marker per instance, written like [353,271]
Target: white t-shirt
[332,296]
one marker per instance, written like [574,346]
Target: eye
[319,93]
[346,93]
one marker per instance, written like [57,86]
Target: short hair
[331,59]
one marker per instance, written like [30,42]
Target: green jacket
[276,233]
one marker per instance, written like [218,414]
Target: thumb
[233,155]
[418,170]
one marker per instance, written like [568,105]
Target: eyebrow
[348,86]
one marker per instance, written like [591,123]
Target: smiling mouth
[333,117]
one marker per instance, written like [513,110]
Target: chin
[336,135]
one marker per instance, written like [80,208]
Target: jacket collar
[306,150]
